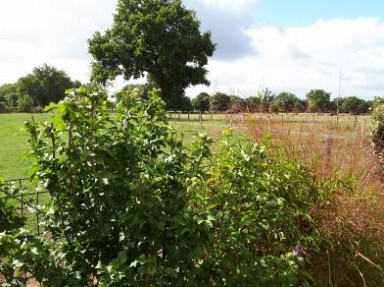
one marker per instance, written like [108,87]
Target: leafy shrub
[130,207]
[25,103]
[260,211]
[10,223]
[377,128]
[119,204]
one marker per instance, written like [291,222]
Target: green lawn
[14,161]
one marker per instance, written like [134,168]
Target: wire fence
[29,203]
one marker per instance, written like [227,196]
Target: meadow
[15,162]
[298,128]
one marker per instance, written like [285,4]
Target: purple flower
[298,250]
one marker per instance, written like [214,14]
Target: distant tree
[44,85]
[354,105]
[285,102]
[318,100]
[252,104]
[220,102]
[201,102]
[25,103]
[157,38]
[300,106]
[236,104]
[185,104]
[266,97]
[9,95]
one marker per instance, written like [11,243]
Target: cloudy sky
[293,45]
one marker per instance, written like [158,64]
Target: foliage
[119,210]
[220,102]
[318,100]
[25,103]
[9,95]
[44,85]
[201,102]
[10,224]
[252,104]
[160,38]
[9,221]
[285,102]
[236,104]
[266,97]
[260,211]
[377,128]
[377,101]
[129,207]
[354,105]
[185,104]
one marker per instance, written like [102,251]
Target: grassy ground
[13,145]
[14,162]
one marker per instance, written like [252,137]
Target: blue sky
[291,13]
[291,45]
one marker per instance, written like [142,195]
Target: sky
[292,46]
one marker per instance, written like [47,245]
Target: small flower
[298,250]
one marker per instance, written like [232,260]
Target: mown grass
[14,162]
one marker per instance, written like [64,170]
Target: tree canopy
[286,102]
[220,102]
[318,100]
[157,38]
[201,102]
[44,85]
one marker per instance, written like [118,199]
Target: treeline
[265,101]
[34,91]
[48,84]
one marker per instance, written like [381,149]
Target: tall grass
[350,215]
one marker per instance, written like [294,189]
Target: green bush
[377,128]
[25,103]
[130,207]
[261,212]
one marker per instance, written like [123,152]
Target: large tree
[286,102]
[202,102]
[220,102]
[157,38]
[318,100]
[44,85]
[354,105]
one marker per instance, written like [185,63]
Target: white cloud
[52,32]
[299,59]
[229,4]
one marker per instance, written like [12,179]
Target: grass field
[14,160]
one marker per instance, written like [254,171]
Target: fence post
[22,205]
[201,120]
[37,214]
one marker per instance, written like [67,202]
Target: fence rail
[29,204]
